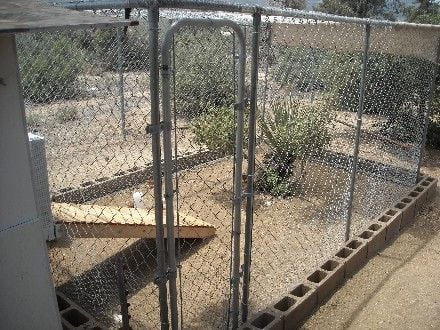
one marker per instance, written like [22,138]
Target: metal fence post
[161,278]
[358,128]
[429,109]
[120,37]
[251,166]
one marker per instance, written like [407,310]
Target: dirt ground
[291,235]
[400,287]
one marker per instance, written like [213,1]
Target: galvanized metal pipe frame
[168,177]
[247,258]
[236,8]
[357,140]
[209,5]
[161,277]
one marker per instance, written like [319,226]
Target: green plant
[300,68]
[204,76]
[215,129]
[67,114]
[391,82]
[105,46]
[50,65]
[294,131]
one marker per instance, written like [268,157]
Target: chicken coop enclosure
[207,159]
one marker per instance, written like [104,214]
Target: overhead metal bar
[237,8]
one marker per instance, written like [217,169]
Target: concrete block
[374,237]
[62,303]
[297,305]
[357,258]
[287,307]
[419,200]
[319,278]
[430,184]
[336,271]
[343,255]
[74,317]
[407,206]
[327,279]
[423,193]
[391,218]
[265,319]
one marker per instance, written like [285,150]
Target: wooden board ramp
[90,221]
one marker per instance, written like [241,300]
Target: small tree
[293,4]
[204,76]
[294,131]
[361,8]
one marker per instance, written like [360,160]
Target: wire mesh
[400,71]
[204,119]
[304,152]
[87,94]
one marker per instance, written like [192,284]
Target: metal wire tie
[162,126]
[160,279]
[235,280]
[239,105]
[171,274]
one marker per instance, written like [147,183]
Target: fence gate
[208,269]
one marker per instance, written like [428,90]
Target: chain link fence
[323,168]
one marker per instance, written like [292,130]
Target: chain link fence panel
[88,94]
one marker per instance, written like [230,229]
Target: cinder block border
[100,187]
[73,316]
[292,309]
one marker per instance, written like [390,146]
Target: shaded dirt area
[400,287]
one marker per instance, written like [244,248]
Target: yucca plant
[292,131]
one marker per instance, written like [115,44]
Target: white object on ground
[138,201]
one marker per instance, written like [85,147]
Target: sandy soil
[400,287]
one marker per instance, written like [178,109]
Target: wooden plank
[33,15]
[84,220]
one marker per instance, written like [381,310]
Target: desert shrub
[215,129]
[67,114]
[433,136]
[300,68]
[102,45]
[204,72]
[49,65]
[294,131]
[391,82]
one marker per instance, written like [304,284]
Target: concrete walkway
[400,287]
